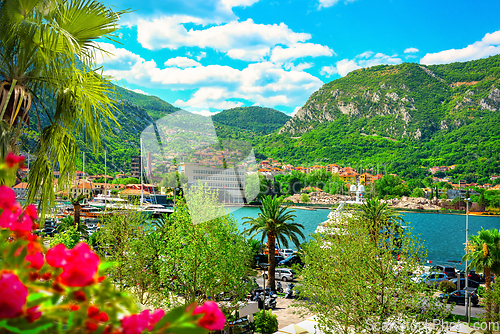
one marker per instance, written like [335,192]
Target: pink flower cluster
[13,216]
[213,319]
[79,264]
[79,269]
[137,323]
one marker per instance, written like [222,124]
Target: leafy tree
[75,201]
[367,284]
[48,61]
[379,217]
[391,186]
[204,256]
[275,223]
[69,238]
[417,192]
[174,180]
[67,222]
[304,198]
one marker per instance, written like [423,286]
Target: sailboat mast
[105,180]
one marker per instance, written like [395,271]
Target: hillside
[257,120]
[400,117]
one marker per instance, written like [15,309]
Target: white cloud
[294,111]
[117,56]
[411,50]
[365,59]
[299,67]
[328,71]
[264,83]
[488,46]
[329,3]
[139,91]
[181,62]
[300,50]
[238,3]
[240,40]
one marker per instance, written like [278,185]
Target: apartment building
[225,180]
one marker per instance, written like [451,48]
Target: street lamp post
[466,262]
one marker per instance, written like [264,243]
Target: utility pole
[467,315]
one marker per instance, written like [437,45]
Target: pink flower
[15,220]
[213,318]
[36,260]
[79,264]
[13,295]
[33,313]
[154,318]
[7,197]
[31,211]
[11,160]
[137,323]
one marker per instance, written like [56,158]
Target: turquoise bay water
[443,235]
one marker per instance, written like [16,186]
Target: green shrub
[304,198]
[481,290]
[447,286]
[265,322]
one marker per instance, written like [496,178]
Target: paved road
[458,309]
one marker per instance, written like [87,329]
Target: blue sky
[209,55]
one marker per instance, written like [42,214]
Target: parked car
[458,297]
[286,252]
[291,260]
[472,284]
[284,274]
[49,231]
[277,259]
[449,271]
[474,276]
[431,278]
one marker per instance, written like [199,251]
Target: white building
[225,180]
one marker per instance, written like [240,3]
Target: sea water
[443,235]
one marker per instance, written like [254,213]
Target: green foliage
[265,322]
[417,192]
[304,198]
[275,223]
[174,180]
[254,119]
[203,255]
[69,237]
[447,286]
[365,280]
[391,186]
[451,130]
[127,180]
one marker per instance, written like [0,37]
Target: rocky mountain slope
[401,118]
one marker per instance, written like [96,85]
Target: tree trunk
[271,240]
[76,211]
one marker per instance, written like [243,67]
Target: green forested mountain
[252,120]
[404,118]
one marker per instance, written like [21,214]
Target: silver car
[283,274]
[432,278]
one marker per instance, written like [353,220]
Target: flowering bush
[65,290]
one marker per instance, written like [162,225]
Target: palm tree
[75,201]
[47,69]
[484,256]
[379,216]
[67,222]
[276,223]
